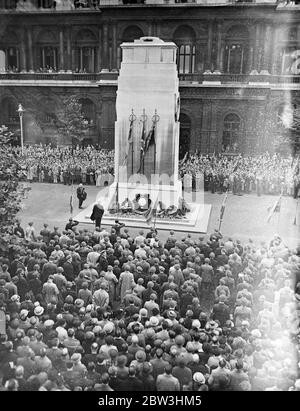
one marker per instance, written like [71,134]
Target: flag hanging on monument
[130,141]
[275,208]
[142,149]
[130,134]
[150,139]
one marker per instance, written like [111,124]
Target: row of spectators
[106,310]
[44,163]
[264,174]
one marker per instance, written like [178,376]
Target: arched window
[85,51]
[88,110]
[184,37]
[231,132]
[9,44]
[132,33]
[9,114]
[237,50]
[185,134]
[48,51]
[290,52]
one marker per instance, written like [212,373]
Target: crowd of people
[105,310]
[44,163]
[263,174]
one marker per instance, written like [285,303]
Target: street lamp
[21,111]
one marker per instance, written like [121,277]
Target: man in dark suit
[81,194]
[97,214]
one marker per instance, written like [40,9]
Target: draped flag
[150,139]
[142,150]
[130,134]
[275,208]
[130,141]
[151,212]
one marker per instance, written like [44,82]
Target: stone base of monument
[168,194]
[195,221]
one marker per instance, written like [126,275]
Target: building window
[231,132]
[291,60]
[184,37]
[186,59]
[85,59]
[48,58]
[12,59]
[236,50]
[235,58]
[85,55]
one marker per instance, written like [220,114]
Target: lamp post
[21,111]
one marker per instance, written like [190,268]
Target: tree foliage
[11,190]
[71,124]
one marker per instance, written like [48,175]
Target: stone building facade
[238,64]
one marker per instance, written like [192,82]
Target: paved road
[245,216]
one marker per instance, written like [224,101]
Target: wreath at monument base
[140,206]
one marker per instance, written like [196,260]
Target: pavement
[245,216]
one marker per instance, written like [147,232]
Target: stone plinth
[147,90]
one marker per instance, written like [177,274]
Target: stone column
[23,63]
[275,51]
[199,65]
[69,49]
[100,49]
[105,62]
[30,50]
[209,47]
[61,49]
[256,59]
[219,48]
[114,46]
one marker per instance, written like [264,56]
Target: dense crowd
[44,163]
[264,174]
[105,310]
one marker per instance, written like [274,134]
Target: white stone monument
[147,97]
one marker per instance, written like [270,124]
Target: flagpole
[222,211]
[155,120]
[142,160]
[132,118]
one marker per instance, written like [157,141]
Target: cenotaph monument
[147,126]
[147,143]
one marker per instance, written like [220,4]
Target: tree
[71,123]
[11,190]
[290,122]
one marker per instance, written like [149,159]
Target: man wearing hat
[199,382]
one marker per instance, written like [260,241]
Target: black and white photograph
[149,199]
